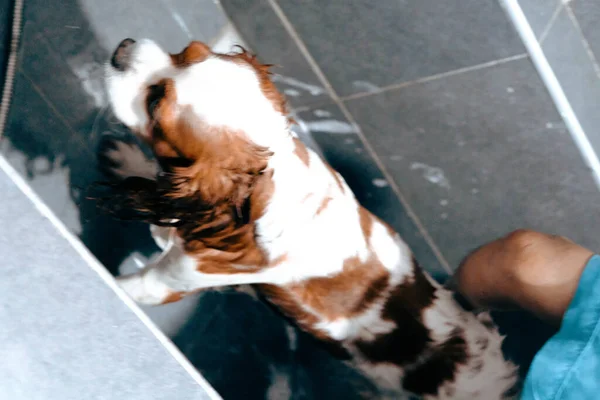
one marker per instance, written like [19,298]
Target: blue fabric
[568,366]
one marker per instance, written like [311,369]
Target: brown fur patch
[323,205]
[290,306]
[404,307]
[427,366]
[194,53]
[439,366]
[301,151]
[336,176]
[346,294]
[173,297]
[366,221]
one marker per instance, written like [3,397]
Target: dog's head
[212,120]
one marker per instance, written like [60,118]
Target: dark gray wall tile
[262,30]
[480,154]
[574,69]
[361,45]
[343,149]
[588,15]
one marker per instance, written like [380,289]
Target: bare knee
[521,250]
[531,257]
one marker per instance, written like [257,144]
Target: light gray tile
[579,79]
[539,13]
[588,15]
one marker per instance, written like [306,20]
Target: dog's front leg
[175,275]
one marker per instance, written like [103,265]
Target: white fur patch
[131,161]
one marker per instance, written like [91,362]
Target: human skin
[525,270]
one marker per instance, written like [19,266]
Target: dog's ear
[219,183]
[224,173]
[138,199]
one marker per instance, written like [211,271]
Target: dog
[237,199]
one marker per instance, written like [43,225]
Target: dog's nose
[121,58]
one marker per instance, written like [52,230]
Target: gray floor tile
[539,13]
[588,15]
[343,149]
[262,30]
[362,45]
[480,154]
[579,79]
[60,87]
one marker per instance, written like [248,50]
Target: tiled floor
[432,112]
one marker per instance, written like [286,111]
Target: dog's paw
[144,289]
[123,158]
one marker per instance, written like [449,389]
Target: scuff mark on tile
[330,126]
[433,175]
[366,86]
[280,387]
[322,113]
[312,89]
[292,336]
[291,92]
[380,183]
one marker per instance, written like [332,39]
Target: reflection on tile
[343,149]
[574,69]
[262,30]
[62,88]
[362,45]
[172,24]
[539,13]
[480,154]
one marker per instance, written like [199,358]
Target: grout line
[401,85]
[325,82]
[550,23]
[93,263]
[58,114]
[515,13]
[586,44]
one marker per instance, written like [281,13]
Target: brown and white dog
[245,202]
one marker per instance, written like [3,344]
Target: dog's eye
[155,94]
